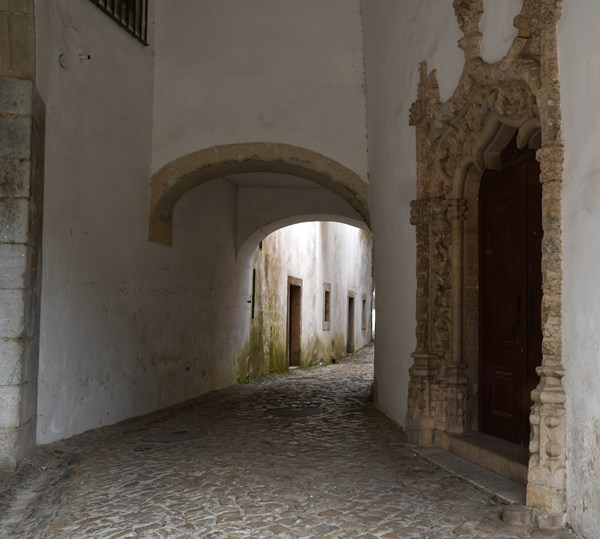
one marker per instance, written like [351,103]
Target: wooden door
[509,297]
[350,329]
[294,324]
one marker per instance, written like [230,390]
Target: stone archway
[176,178]
[456,141]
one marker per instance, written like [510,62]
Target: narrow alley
[303,454]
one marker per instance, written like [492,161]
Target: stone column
[21,187]
[456,379]
[420,424]
[547,464]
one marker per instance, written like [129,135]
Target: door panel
[294,324]
[350,329]
[509,298]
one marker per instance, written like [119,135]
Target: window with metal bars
[132,15]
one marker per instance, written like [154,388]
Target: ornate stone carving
[420,218]
[440,317]
[521,92]
[468,13]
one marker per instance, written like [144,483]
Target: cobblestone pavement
[298,455]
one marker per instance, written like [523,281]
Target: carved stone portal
[456,141]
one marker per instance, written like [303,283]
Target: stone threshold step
[497,487]
[499,456]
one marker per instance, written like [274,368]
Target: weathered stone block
[15,443]
[14,220]
[10,406]
[15,137]
[28,404]
[11,366]
[16,96]
[12,313]
[517,515]
[551,521]
[15,176]
[13,265]
[9,444]
[29,359]
[17,6]
[17,44]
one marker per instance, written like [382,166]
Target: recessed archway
[176,178]
[456,141]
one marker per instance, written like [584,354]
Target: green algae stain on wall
[279,257]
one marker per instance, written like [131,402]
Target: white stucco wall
[316,253]
[391,61]
[579,56]
[399,35]
[127,326]
[125,323]
[391,57]
[285,71]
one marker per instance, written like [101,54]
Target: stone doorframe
[456,141]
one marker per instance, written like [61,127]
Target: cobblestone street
[298,455]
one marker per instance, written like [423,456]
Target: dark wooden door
[350,330]
[294,324]
[510,297]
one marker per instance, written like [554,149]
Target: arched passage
[178,177]
[222,201]
[249,243]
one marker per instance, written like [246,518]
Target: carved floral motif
[520,92]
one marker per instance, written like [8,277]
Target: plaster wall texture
[261,211]
[316,253]
[285,71]
[579,57]
[430,32]
[127,326]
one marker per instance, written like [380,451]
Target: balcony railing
[132,15]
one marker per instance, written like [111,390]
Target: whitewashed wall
[286,71]
[391,61]
[128,326]
[316,253]
[399,35]
[579,57]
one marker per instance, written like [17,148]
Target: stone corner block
[10,406]
[9,442]
[11,362]
[16,444]
[14,220]
[12,313]
[517,515]
[16,96]
[14,265]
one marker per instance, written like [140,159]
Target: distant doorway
[294,320]
[350,332]
[510,293]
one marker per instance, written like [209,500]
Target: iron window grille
[131,15]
